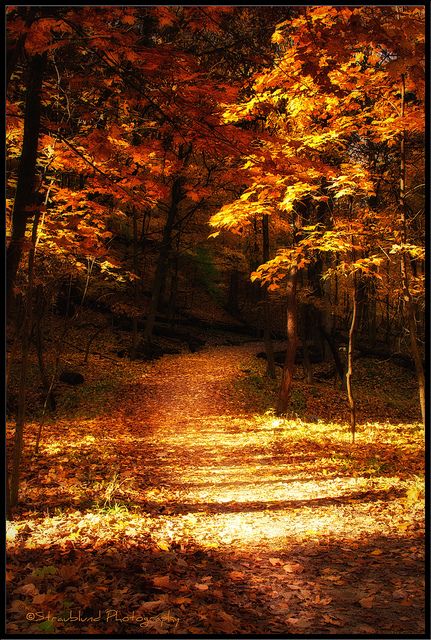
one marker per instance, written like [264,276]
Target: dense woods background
[182,176]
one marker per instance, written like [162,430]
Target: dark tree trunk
[135,285]
[270,368]
[232,298]
[161,267]
[25,202]
[306,338]
[335,354]
[22,389]
[173,293]
[50,400]
[289,365]
[349,373]
[406,268]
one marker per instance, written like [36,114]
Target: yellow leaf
[377,552]
[163,545]
[277,37]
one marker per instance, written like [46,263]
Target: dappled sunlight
[200,498]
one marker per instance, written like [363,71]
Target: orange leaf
[236,575]
[28,590]
[182,600]
[293,567]
[367,603]
[334,621]
[161,581]
[275,561]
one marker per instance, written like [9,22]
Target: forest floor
[167,498]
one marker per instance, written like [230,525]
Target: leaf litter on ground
[184,505]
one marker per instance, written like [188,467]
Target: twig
[97,353]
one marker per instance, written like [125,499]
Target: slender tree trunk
[25,196]
[173,293]
[161,266]
[135,285]
[42,368]
[405,264]
[270,367]
[90,342]
[335,354]
[292,339]
[233,291]
[22,391]
[349,373]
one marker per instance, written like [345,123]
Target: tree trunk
[173,293]
[22,390]
[50,400]
[135,285]
[270,367]
[405,264]
[159,276]
[25,195]
[232,298]
[335,354]
[289,364]
[350,397]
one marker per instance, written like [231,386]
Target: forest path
[164,500]
[284,541]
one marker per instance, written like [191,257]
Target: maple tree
[318,102]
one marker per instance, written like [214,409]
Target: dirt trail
[284,547]
[172,501]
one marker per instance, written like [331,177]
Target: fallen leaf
[161,581]
[322,601]
[201,587]
[236,575]
[182,600]
[68,572]
[45,598]
[28,590]
[293,567]
[9,576]
[281,607]
[333,621]
[406,603]
[367,602]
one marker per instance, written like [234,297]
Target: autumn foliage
[184,179]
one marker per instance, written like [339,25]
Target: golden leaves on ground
[175,509]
